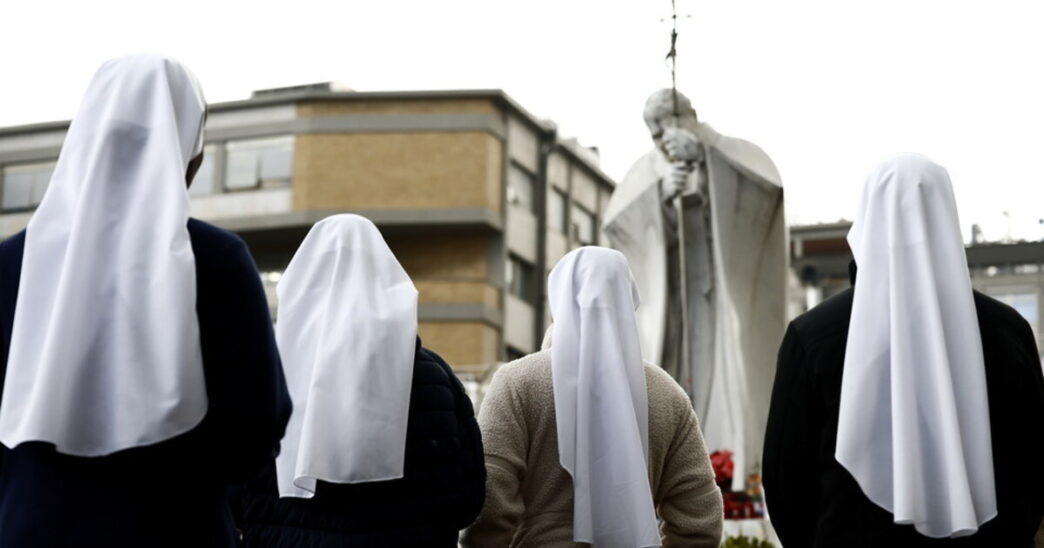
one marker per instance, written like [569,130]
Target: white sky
[827,88]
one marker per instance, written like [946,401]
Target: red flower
[737,505]
[723,467]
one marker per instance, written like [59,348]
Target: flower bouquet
[745,504]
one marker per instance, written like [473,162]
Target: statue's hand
[676,181]
[682,145]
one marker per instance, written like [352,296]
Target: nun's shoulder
[12,246]
[828,318]
[662,387]
[996,317]
[530,368]
[209,241]
[988,307]
[430,368]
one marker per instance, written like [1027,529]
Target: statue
[700,219]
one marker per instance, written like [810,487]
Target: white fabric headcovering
[105,351]
[914,425]
[601,402]
[347,334]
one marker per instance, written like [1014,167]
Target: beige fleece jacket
[529,496]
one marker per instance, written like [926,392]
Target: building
[819,257]
[1011,272]
[476,197]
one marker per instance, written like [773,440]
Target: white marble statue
[717,333]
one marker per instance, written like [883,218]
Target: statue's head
[659,113]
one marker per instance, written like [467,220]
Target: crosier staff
[679,210]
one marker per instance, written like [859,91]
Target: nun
[584,442]
[906,411]
[140,369]
[382,449]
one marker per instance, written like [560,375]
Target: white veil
[914,425]
[105,351]
[347,334]
[601,399]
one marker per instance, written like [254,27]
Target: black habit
[171,494]
[814,502]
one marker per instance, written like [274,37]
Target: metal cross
[672,55]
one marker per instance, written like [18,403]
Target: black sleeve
[249,402]
[471,457]
[791,448]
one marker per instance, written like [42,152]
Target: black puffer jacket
[442,492]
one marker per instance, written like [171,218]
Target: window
[1027,269]
[521,279]
[24,185]
[259,163]
[583,226]
[521,187]
[205,181]
[556,211]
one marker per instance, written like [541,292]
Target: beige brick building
[477,197]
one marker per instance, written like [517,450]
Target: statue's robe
[735,268]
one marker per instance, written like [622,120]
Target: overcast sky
[827,88]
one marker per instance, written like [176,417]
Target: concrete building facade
[476,197]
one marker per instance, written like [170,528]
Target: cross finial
[672,56]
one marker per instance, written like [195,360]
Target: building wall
[558,172]
[470,347]
[452,274]
[420,170]
[444,256]
[365,171]
[523,144]
[584,191]
[414,169]
[385,107]
[454,292]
